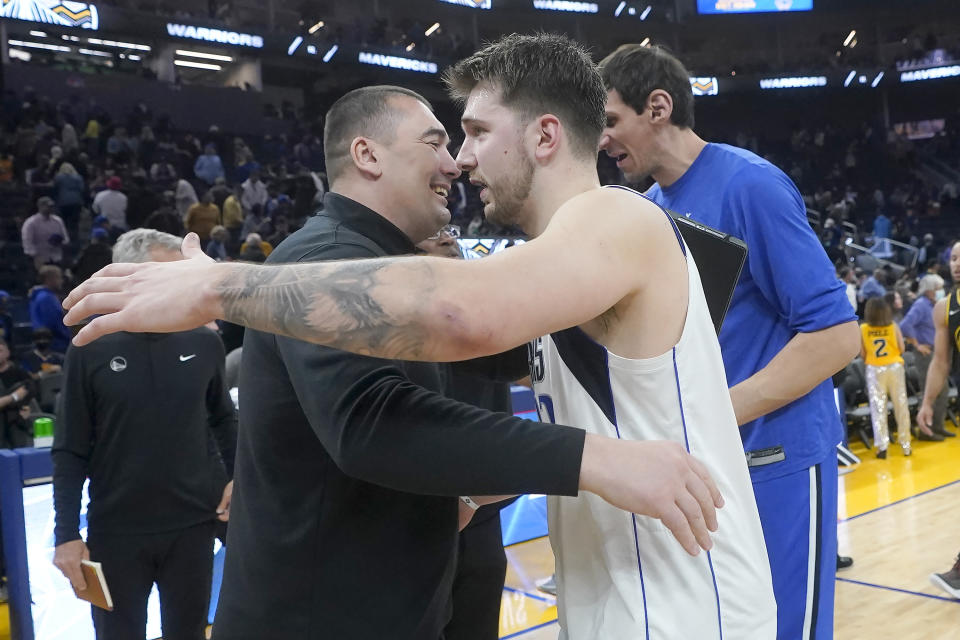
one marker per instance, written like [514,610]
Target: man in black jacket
[136,417]
[344,521]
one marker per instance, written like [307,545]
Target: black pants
[478,585]
[180,562]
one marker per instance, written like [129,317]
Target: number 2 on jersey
[880,347]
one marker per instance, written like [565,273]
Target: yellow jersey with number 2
[881,345]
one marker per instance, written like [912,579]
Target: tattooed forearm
[356,306]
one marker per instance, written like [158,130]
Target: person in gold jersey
[881,348]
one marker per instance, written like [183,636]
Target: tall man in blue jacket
[789,328]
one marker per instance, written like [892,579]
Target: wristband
[467,500]
[14,397]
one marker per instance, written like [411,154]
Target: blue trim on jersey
[587,361]
[686,442]
[673,224]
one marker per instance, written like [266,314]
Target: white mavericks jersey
[625,577]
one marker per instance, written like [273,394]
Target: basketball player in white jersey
[628,348]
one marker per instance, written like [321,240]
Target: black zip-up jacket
[136,415]
[344,517]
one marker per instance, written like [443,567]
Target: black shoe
[882,454]
[943,432]
[844,562]
[936,437]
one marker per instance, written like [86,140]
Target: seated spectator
[93,257]
[281,229]
[112,204]
[209,167]
[202,217]
[16,390]
[46,311]
[42,359]
[217,247]
[43,234]
[255,249]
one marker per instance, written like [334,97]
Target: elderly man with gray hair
[919,331]
[136,417]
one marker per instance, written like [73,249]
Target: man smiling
[629,350]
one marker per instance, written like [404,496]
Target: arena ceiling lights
[200,54]
[473,4]
[197,65]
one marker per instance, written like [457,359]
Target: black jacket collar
[368,223]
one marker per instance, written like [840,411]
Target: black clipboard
[720,258]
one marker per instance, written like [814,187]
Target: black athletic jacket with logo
[136,414]
[344,516]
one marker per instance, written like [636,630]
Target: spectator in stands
[233,217]
[874,286]
[42,359]
[895,302]
[93,257]
[832,240]
[202,217]
[186,197]
[256,222]
[928,251]
[919,332]
[848,277]
[68,139]
[217,247]
[91,137]
[254,249]
[220,192]
[166,218]
[253,192]
[6,320]
[281,229]
[112,203]
[16,390]
[209,167]
[45,308]
[162,171]
[43,234]
[881,348]
[141,201]
[119,146]
[69,188]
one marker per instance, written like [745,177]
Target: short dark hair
[636,71]
[878,313]
[367,112]
[537,74]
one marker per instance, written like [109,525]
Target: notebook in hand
[96,592]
